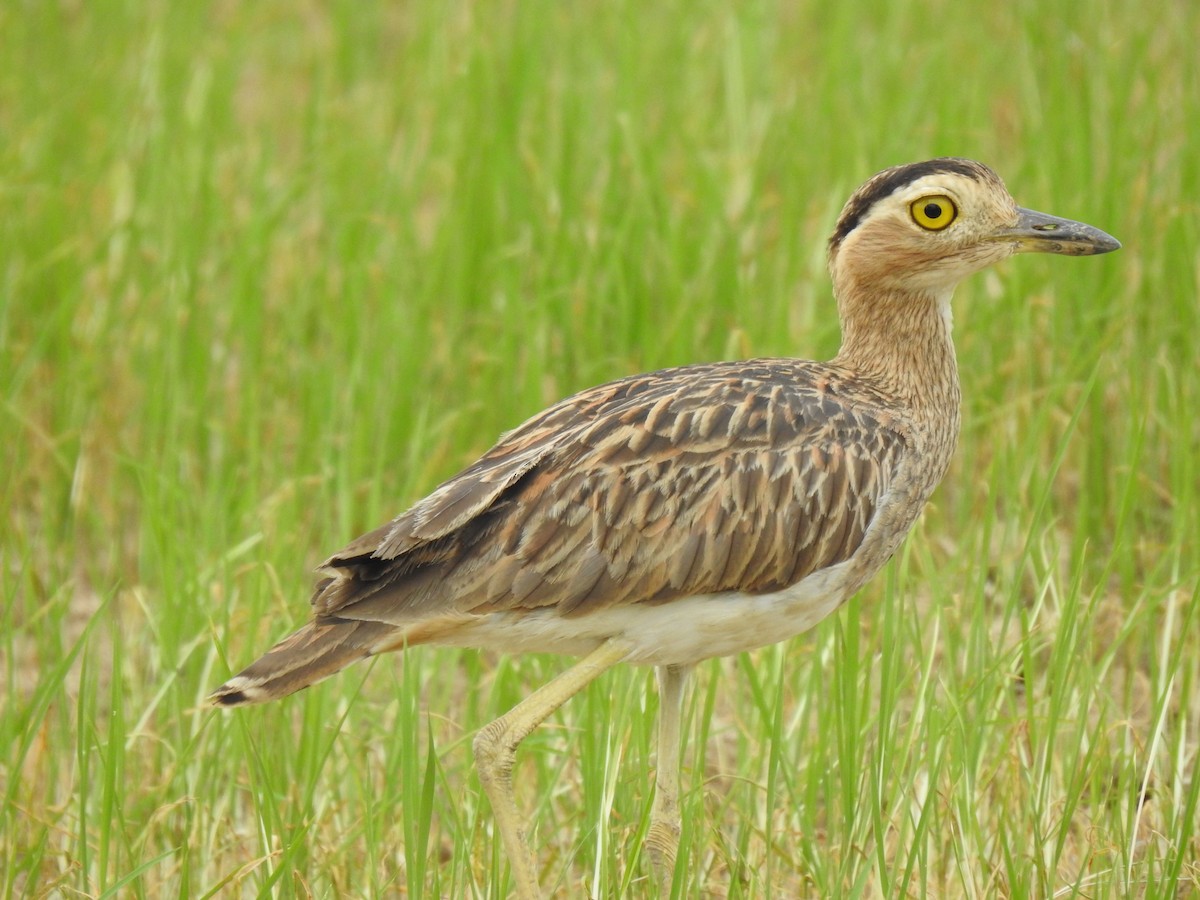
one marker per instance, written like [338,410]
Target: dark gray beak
[1037,232]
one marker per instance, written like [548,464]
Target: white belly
[679,632]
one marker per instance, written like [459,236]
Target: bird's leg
[495,749]
[662,840]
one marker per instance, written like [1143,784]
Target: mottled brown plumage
[690,512]
[699,480]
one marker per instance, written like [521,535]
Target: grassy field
[269,271]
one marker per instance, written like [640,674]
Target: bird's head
[925,226]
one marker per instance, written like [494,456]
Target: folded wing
[697,480]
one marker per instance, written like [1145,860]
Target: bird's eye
[933,213]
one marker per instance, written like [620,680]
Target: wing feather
[730,477]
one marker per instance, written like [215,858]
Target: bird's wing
[727,477]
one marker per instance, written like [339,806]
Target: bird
[692,512]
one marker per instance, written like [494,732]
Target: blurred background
[269,272]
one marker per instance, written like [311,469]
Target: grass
[269,272]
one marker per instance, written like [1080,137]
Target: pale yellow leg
[662,840]
[496,745]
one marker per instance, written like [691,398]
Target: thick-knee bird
[693,512]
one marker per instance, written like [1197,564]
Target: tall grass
[268,272]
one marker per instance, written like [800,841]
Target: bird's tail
[319,649]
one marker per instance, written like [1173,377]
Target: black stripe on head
[891,180]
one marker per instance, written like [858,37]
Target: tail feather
[319,649]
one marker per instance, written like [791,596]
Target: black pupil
[933,210]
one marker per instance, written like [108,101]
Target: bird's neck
[901,342]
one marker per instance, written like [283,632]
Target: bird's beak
[1037,232]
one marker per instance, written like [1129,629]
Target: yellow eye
[933,213]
